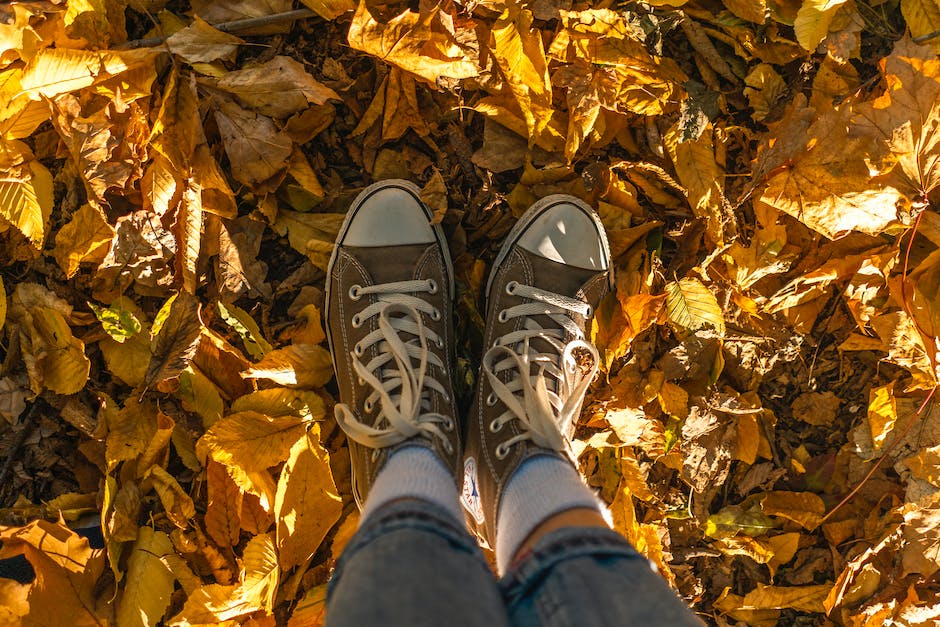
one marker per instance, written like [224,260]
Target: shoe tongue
[388,264]
[557,277]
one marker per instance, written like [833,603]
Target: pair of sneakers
[389,313]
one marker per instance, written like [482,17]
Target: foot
[550,274]
[389,289]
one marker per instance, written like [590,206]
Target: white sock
[415,472]
[539,488]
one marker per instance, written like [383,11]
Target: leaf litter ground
[763,430]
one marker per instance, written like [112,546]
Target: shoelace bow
[544,414]
[398,385]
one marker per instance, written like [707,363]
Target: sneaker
[550,274]
[389,288]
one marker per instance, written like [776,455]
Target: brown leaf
[174,340]
[278,88]
[201,43]
[84,238]
[803,508]
[257,151]
[223,511]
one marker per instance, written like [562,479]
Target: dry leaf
[277,88]
[201,43]
[306,505]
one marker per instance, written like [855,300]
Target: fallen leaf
[277,88]
[25,191]
[420,43]
[298,365]
[257,151]
[201,43]
[816,408]
[692,306]
[149,582]
[804,508]
[307,504]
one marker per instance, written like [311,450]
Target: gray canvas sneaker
[550,274]
[389,289]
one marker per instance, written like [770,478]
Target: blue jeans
[412,564]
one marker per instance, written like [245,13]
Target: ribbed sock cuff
[414,472]
[541,487]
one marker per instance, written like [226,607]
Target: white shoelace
[399,386]
[545,414]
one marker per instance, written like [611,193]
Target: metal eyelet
[360,381]
[511,287]
[501,451]
[355,292]
[449,424]
[503,316]
[432,286]
[439,342]
[496,426]
[358,350]
[436,315]
[445,397]
[491,399]
[356,321]
[589,312]
[368,406]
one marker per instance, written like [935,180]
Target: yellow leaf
[421,43]
[764,89]
[828,186]
[178,505]
[3,304]
[200,395]
[923,18]
[300,365]
[518,51]
[82,239]
[250,441]
[54,358]
[15,604]
[692,306]
[55,71]
[279,88]
[257,151]
[803,508]
[146,596]
[276,402]
[25,191]
[702,177]
[882,413]
[925,465]
[922,534]
[904,117]
[127,360]
[175,134]
[784,547]
[66,572]
[201,43]
[311,234]
[750,10]
[736,519]
[129,431]
[813,20]
[330,9]
[733,605]
[800,598]
[215,603]
[246,327]
[307,504]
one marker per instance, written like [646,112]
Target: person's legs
[388,310]
[522,492]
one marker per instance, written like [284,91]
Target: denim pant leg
[587,577]
[412,564]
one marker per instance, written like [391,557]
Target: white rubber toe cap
[389,216]
[566,234]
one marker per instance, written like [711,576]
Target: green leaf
[118,320]
[691,306]
[735,519]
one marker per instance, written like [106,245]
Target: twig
[229,27]
[20,439]
[922,38]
